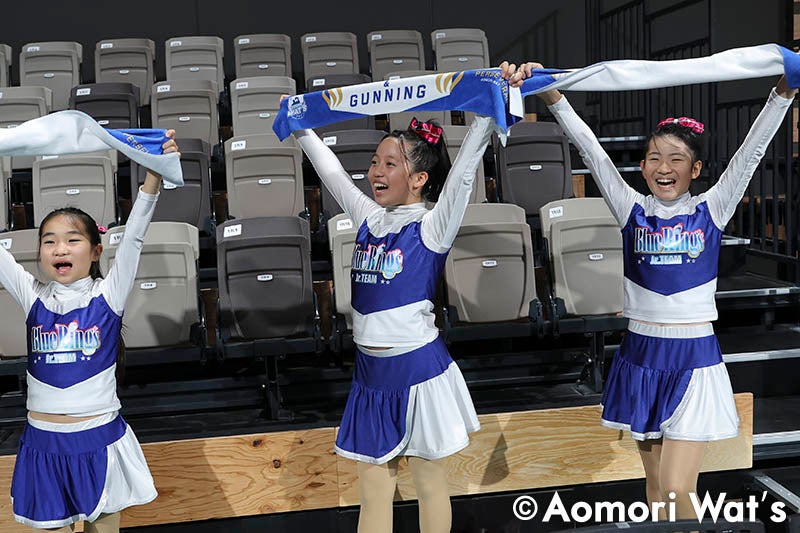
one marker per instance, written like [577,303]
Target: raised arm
[725,195]
[619,196]
[440,225]
[19,283]
[119,282]
[355,203]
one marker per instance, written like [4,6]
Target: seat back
[326,53]
[489,271]
[534,166]
[85,181]
[6,60]
[264,277]
[341,241]
[586,260]
[264,177]
[187,106]
[393,50]
[460,49]
[192,202]
[263,54]
[196,58]
[126,61]
[55,65]
[255,102]
[163,304]
[24,246]
[19,104]
[354,149]
[113,105]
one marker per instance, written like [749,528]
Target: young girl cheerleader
[668,384]
[78,459]
[408,397]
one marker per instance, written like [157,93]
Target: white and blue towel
[75,132]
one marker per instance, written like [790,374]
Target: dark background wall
[554,32]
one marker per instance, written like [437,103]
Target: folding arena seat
[585,246]
[454,135]
[399,121]
[460,49]
[126,60]
[327,53]
[264,177]
[163,305]
[19,104]
[393,50]
[85,181]
[24,246]
[489,271]
[263,54]
[195,58]
[255,102]
[192,202]
[55,64]
[534,167]
[354,149]
[341,240]
[264,277]
[331,81]
[6,60]
[187,106]
[113,105]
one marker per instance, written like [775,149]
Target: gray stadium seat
[454,135]
[534,166]
[264,277]
[460,49]
[54,64]
[6,60]
[187,106]
[126,61]
[399,121]
[164,304]
[393,50]
[113,105]
[585,246]
[489,271]
[5,174]
[192,202]
[326,53]
[354,149]
[195,58]
[255,102]
[264,177]
[85,181]
[341,241]
[24,246]
[263,54]
[19,104]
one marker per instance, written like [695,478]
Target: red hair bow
[695,125]
[431,133]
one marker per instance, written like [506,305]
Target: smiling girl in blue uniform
[668,384]
[78,459]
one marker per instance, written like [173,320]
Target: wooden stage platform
[244,475]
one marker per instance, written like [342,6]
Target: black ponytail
[426,155]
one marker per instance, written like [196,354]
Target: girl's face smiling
[391,178]
[65,252]
[668,167]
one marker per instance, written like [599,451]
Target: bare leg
[680,466]
[430,481]
[377,484]
[106,523]
[650,452]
